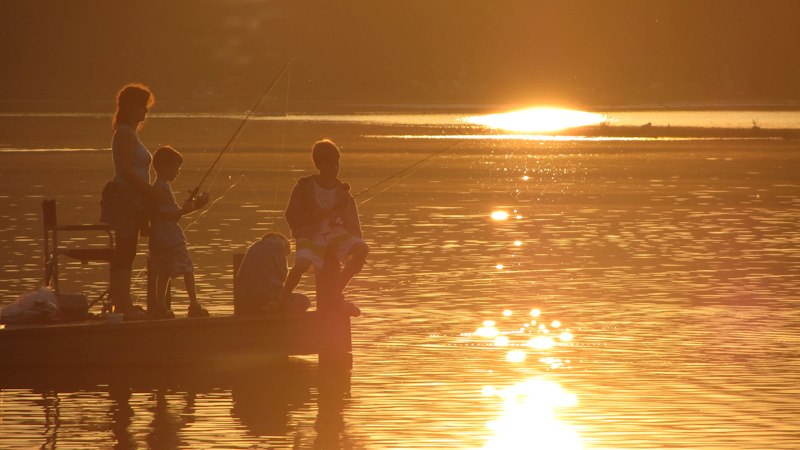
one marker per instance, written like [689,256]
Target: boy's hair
[166,156]
[280,237]
[324,150]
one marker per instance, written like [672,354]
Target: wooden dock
[219,340]
[232,339]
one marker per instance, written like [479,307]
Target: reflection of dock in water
[263,399]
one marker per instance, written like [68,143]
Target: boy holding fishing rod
[323,218]
[168,254]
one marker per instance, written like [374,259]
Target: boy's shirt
[326,200]
[165,232]
[306,206]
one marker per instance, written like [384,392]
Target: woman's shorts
[121,207]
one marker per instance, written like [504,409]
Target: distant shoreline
[647,131]
[106,108]
[636,125]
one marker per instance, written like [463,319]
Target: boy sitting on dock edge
[323,218]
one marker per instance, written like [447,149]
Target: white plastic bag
[32,307]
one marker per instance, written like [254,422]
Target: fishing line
[242,176]
[228,146]
[402,173]
[283,137]
[239,129]
[389,186]
[233,138]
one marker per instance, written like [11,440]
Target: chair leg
[51,273]
[105,298]
[120,289]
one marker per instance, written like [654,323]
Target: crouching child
[259,280]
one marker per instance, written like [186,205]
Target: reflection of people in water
[52,418]
[263,399]
[166,424]
[334,393]
[165,427]
[120,416]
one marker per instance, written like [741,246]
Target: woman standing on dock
[125,195]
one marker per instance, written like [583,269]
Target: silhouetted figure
[125,195]
[168,254]
[259,280]
[324,220]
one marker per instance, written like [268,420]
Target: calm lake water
[638,295]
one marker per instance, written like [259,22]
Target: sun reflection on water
[529,418]
[516,356]
[541,343]
[499,215]
[527,335]
[501,341]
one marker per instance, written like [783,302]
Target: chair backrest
[49,213]
[238,305]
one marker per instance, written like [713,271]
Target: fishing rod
[405,170]
[239,129]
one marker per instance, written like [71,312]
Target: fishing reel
[200,200]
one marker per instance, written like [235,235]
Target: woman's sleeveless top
[141,158]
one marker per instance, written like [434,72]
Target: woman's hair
[133,94]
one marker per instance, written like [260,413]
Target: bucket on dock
[73,306]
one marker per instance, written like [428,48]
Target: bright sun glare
[537,119]
[531,417]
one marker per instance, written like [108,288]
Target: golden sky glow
[537,120]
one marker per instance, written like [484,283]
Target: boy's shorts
[314,249]
[173,261]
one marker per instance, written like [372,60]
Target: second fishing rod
[239,129]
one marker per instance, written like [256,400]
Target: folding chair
[53,249]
